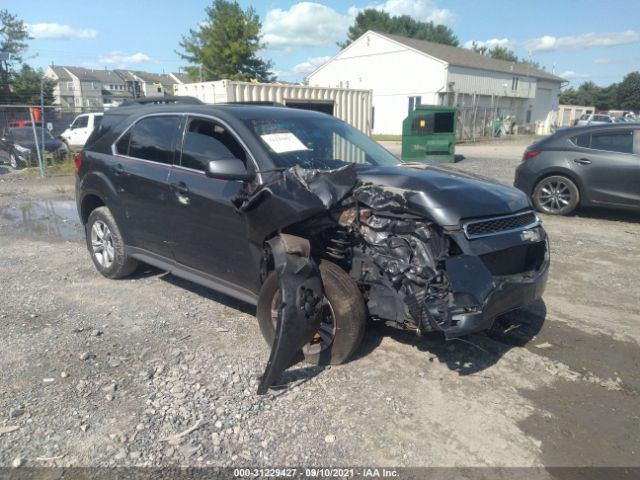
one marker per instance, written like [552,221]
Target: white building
[403,72]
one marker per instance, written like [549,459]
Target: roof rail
[258,103]
[169,100]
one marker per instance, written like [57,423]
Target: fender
[566,172]
[98,184]
[300,310]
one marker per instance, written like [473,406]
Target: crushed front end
[420,276]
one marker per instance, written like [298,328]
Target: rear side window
[621,141]
[583,140]
[152,139]
[97,120]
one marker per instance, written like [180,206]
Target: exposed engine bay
[412,272]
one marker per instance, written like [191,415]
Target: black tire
[113,246]
[347,308]
[556,195]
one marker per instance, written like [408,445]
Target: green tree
[225,45]
[628,92]
[25,87]
[404,25]
[13,38]
[590,94]
[503,53]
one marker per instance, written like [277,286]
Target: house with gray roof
[84,89]
[404,72]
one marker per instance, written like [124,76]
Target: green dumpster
[429,133]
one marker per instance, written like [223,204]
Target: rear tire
[106,246]
[556,195]
[347,309]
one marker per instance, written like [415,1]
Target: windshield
[26,134]
[318,143]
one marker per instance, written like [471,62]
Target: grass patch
[65,168]
[387,138]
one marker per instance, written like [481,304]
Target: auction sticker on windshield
[283,142]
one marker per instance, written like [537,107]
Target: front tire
[556,195]
[340,335]
[106,246]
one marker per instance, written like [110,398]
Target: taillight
[77,158]
[528,154]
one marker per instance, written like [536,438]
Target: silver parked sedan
[597,165]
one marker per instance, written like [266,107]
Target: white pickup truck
[78,132]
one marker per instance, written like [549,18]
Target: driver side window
[80,122]
[206,140]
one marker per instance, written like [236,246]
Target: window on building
[69,85]
[206,141]
[413,103]
[153,138]
[514,83]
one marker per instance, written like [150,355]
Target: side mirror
[229,169]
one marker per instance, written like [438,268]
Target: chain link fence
[476,122]
[30,136]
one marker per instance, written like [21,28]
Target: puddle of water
[42,218]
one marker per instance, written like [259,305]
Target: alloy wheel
[554,195]
[102,244]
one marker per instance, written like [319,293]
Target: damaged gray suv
[308,219]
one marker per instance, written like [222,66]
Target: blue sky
[594,40]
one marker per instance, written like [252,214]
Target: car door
[78,130]
[139,172]
[208,234]
[609,165]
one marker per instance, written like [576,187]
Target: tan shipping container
[349,105]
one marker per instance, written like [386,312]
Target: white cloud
[571,74]
[58,31]
[306,67]
[121,59]
[549,43]
[493,42]
[310,24]
[305,24]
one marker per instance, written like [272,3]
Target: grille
[514,260]
[480,228]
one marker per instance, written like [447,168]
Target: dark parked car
[18,142]
[307,218]
[583,166]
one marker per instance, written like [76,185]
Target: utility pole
[43,168]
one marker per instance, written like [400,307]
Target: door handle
[180,187]
[118,169]
[582,161]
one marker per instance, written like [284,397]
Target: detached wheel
[344,317]
[556,195]
[105,244]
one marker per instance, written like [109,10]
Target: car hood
[447,196]
[49,145]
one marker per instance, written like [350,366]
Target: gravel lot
[158,371]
